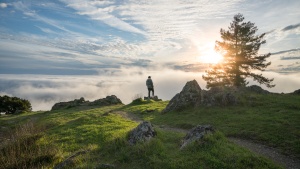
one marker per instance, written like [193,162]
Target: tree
[11,105]
[239,48]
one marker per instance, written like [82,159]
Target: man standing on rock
[150,86]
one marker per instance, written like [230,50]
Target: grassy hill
[93,137]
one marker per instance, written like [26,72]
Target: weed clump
[24,148]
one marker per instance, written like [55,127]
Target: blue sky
[122,42]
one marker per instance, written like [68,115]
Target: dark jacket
[149,83]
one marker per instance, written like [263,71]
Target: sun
[210,56]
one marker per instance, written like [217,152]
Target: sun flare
[210,57]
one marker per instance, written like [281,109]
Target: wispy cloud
[285,51]
[98,10]
[290,58]
[3,5]
[290,27]
[161,20]
[176,19]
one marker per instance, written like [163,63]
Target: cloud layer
[44,91]
[60,50]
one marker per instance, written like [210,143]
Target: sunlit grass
[215,151]
[102,135]
[272,119]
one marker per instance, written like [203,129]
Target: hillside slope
[97,137]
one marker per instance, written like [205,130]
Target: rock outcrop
[195,134]
[69,104]
[189,96]
[143,132]
[192,96]
[219,96]
[109,100]
[296,92]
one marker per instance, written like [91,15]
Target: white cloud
[3,5]
[160,19]
[173,19]
[43,91]
[96,11]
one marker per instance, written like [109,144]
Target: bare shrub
[137,96]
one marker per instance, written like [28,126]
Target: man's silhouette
[150,86]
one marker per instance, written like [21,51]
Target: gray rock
[195,134]
[155,98]
[109,100]
[105,166]
[189,96]
[192,96]
[69,104]
[143,132]
[220,96]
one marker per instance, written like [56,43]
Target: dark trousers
[150,89]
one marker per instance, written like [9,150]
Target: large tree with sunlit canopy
[239,47]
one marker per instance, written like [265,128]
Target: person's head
[149,77]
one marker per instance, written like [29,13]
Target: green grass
[214,151]
[272,119]
[24,148]
[103,134]
[73,130]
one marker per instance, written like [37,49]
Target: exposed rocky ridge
[143,132]
[193,95]
[109,100]
[196,134]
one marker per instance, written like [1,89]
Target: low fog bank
[43,91]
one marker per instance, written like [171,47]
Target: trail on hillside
[269,152]
[260,149]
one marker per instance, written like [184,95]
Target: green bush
[11,105]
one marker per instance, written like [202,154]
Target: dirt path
[268,152]
[129,116]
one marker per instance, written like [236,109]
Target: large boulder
[195,134]
[189,96]
[143,132]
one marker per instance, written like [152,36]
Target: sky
[60,50]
